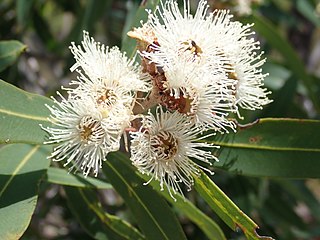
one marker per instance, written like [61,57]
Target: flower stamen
[108,98]
[90,130]
[165,145]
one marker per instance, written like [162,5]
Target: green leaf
[42,28]
[87,17]
[21,168]
[292,60]
[130,22]
[288,148]
[307,9]
[301,193]
[225,208]
[129,44]
[283,209]
[62,177]
[284,5]
[152,213]
[277,77]
[282,100]
[23,11]
[185,207]
[20,114]
[86,206]
[9,52]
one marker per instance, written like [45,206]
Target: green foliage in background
[263,179]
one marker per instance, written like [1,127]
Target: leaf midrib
[100,215]
[14,51]
[18,168]
[265,147]
[23,115]
[248,223]
[139,200]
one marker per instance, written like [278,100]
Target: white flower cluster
[196,70]
[90,122]
[163,148]
[207,60]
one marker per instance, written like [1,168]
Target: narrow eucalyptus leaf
[153,215]
[9,52]
[86,206]
[21,113]
[21,169]
[62,177]
[269,147]
[230,213]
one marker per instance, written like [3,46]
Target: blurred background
[290,38]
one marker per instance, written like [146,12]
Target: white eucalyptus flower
[109,66]
[243,62]
[201,97]
[167,148]
[108,96]
[250,91]
[186,44]
[83,136]
[206,50]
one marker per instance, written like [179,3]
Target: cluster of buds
[195,71]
